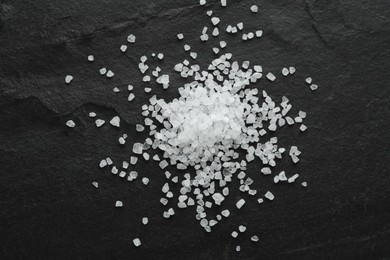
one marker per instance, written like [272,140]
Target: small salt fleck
[70,123]
[215,20]
[145,181]
[308,80]
[115,121]
[259,33]
[99,122]
[260,200]
[92,114]
[285,71]
[110,74]
[119,204]
[180,36]
[292,70]
[137,242]
[234,234]
[303,128]
[187,47]
[160,56]
[313,87]
[123,48]
[145,220]
[254,8]
[242,228]
[269,195]
[255,238]
[68,79]
[131,38]
[95,184]
[238,248]
[222,44]
[103,71]
[304,184]
[271,76]
[202,2]
[240,203]
[91,58]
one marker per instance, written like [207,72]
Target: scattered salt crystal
[103,163]
[270,76]
[95,184]
[285,71]
[308,80]
[163,164]
[180,36]
[123,48]
[202,2]
[304,184]
[292,70]
[138,148]
[145,181]
[133,159]
[115,121]
[266,170]
[68,79]
[215,20]
[260,200]
[222,44]
[223,2]
[269,195]
[146,156]
[255,238]
[92,114]
[145,220]
[234,234]
[137,242]
[259,33]
[225,213]
[131,38]
[303,128]
[131,97]
[91,58]
[254,8]
[119,204]
[103,71]
[238,248]
[160,56]
[110,74]
[242,228]
[240,203]
[70,123]
[313,87]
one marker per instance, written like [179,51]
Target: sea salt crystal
[285,71]
[68,79]
[308,80]
[115,121]
[95,184]
[138,148]
[269,195]
[254,8]
[145,220]
[255,238]
[215,20]
[119,204]
[240,203]
[70,123]
[131,38]
[123,48]
[91,58]
[137,242]
[270,76]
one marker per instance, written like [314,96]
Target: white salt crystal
[240,203]
[292,70]
[68,79]
[180,36]
[242,228]
[110,74]
[119,204]
[131,97]
[223,2]
[95,184]
[254,8]
[313,87]
[160,56]
[92,114]
[266,170]
[303,128]
[260,200]
[270,76]
[259,33]
[163,164]
[234,234]
[145,220]
[131,38]
[255,238]
[115,121]
[145,181]
[222,44]
[99,122]
[285,71]
[138,148]
[123,48]
[133,159]
[103,71]
[238,248]
[215,20]
[225,213]
[91,58]
[70,123]
[308,80]
[269,195]
[304,184]
[137,242]
[202,2]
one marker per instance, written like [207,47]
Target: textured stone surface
[48,206]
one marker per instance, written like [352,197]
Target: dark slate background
[50,210]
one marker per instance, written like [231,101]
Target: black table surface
[48,206]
